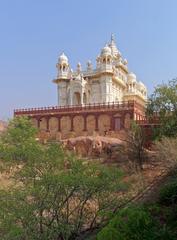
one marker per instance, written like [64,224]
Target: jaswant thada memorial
[101,100]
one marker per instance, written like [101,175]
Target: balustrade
[70,108]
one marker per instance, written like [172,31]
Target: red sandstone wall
[101,119]
[50,129]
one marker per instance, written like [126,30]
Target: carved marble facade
[110,81]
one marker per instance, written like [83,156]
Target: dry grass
[5,181]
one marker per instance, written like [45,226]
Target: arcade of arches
[73,125]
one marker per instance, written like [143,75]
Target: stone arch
[91,124]
[104,123]
[43,124]
[108,60]
[53,124]
[76,98]
[34,121]
[78,123]
[65,124]
[127,120]
[117,122]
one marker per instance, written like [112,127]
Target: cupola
[106,55]
[62,66]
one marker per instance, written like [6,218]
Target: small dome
[131,77]
[63,58]
[125,61]
[106,50]
[142,86]
[79,64]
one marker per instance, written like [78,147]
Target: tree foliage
[55,195]
[18,142]
[163,102]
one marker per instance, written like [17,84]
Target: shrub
[168,194]
[136,223]
[167,151]
[134,148]
[132,223]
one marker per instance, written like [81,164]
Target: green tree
[163,102]
[55,195]
[18,141]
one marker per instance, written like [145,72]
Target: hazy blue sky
[34,32]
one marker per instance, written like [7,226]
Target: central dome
[106,50]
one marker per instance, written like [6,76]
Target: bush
[167,151]
[136,223]
[134,148]
[132,223]
[168,194]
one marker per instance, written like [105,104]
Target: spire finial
[112,37]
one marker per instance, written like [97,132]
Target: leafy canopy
[18,142]
[164,102]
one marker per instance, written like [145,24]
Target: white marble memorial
[110,81]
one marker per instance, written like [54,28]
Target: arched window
[77,98]
[117,124]
[84,98]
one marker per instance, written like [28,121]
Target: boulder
[92,146]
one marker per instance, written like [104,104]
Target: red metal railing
[58,109]
[146,120]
